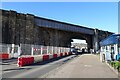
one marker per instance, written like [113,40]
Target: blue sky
[101,15]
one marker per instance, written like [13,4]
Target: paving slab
[84,66]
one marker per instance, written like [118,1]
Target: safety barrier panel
[38,58]
[27,60]
[50,56]
[4,56]
[54,55]
[28,54]
[69,53]
[61,54]
[58,55]
[45,57]
[66,54]
[31,54]
[22,61]
[8,51]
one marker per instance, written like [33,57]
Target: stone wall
[20,28]
[17,27]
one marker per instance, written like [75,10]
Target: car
[74,51]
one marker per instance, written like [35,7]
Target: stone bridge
[19,28]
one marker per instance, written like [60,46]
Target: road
[81,66]
[10,69]
[84,66]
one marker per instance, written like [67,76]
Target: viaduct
[19,28]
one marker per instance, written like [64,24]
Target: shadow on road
[17,69]
[52,60]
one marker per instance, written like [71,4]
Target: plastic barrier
[66,54]
[45,57]
[54,55]
[70,53]
[27,60]
[4,56]
[61,54]
[58,55]
[22,61]
[50,56]
[38,58]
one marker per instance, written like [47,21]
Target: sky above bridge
[101,15]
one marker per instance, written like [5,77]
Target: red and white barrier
[61,54]
[55,55]
[65,53]
[50,56]
[4,56]
[27,60]
[69,53]
[38,58]
[22,61]
[58,55]
[45,57]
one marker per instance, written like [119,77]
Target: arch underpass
[53,37]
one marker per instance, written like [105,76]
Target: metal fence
[3,48]
[11,49]
[30,49]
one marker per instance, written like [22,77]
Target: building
[110,48]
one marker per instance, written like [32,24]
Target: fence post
[52,50]
[8,50]
[41,50]
[13,45]
[58,50]
[19,50]
[32,51]
[47,49]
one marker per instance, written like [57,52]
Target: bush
[112,63]
[115,64]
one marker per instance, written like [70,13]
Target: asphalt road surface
[10,69]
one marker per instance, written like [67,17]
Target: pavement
[84,66]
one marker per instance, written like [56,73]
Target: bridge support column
[89,45]
[95,41]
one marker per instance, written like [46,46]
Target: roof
[113,39]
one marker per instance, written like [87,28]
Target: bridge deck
[42,22]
